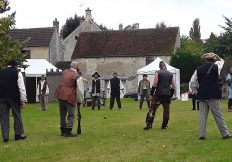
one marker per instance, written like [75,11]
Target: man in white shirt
[42,93]
[12,95]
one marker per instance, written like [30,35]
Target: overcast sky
[41,13]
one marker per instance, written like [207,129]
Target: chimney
[61,35]
[88,15]
[120,27]
[136,26]
[56,25]
[82,19]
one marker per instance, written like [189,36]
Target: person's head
[210,57]
[96,75]
[74,65]
[43,77]
[115,75]
[162,65]
[144,76]
[12,63]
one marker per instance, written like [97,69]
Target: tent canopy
[151,68]
[154,66]
[37,67]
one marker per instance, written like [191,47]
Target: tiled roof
[39,37]
[126,43]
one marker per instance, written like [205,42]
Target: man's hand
[150,97]
[22,104]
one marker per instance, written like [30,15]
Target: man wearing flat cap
[96,90]
[205,82]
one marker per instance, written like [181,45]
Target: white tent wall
[36,68]
[150,70]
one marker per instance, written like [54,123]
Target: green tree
[187,58]
[73,22]
[224,47]
[9,48]
[211,44]
[70,25]
[195,31]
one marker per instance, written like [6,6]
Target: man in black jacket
[12,95]
[115,86]
[96,90]
[205,82]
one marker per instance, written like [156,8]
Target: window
[149,60]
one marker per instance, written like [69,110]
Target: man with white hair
[205,82]
[66,94]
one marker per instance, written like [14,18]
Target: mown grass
[119,138]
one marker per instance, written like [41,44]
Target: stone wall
[53,79]
[126,67]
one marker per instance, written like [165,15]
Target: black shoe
[227,136]
[147,127]
[193,109]
[62,130]
[164,127]
[5,140]
[202,138]
[68,133]
[20,137]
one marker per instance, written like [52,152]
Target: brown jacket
[67,87]
[140,89]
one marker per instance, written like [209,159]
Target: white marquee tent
[37,67]
[151,68]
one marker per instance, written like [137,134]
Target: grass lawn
[120,137]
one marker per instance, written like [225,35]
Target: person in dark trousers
[144,91]
[205,81]
[115,86]
[66,94]
[12,95]
[163,86]
[42,93]
[195,103]
[96,91]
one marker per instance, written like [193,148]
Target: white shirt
[22,89]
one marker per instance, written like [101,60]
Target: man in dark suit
[12,95]
[115,86]
[96,90]
[205,82]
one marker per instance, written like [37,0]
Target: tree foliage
[187,58]
[70,25]
[195,31]
[9,48]
[73,22]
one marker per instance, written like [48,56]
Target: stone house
[44,43]
[87,25]
[124,52]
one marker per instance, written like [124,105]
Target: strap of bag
[207,74]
